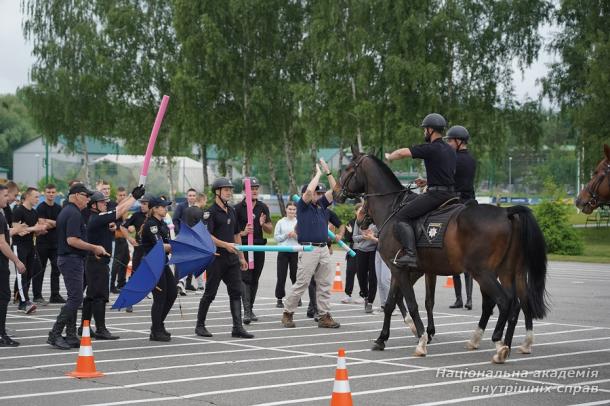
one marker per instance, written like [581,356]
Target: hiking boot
[279,304]
[240,332]
[458,304]
[287,320]
[6,341]
[159,336]
[57,299]
[326,321]
[40,300]
[202,331]
[104,334]
[57,341]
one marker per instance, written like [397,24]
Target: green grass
[596,247]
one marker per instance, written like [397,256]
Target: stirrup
[395,260]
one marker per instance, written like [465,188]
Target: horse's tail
[534,254]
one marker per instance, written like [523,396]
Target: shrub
[561,238]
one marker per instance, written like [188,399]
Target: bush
[561,238]
[345,212]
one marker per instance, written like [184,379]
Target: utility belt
[315,244]
[449,189]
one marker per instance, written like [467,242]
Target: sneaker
[40,300]
[279,304]
[27,307]
[57,299]
[287,320]
[347,299]
[6,341]
[358,300]
[368,307]
[326,321]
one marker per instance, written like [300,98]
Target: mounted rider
[439,160]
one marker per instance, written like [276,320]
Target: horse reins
[593,189]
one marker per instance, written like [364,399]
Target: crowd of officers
[81,239]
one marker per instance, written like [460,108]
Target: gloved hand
[138,192]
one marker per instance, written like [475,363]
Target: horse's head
[597,191]
[351,181]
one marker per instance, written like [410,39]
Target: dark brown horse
[597,191]
[489,242]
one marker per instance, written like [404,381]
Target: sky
[16,59]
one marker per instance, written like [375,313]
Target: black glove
[138,192]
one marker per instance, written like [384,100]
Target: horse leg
[477,335]
[414,276]
[406,287]
[390,305]
[526,347]
[430,290]
[503,352]
[492,287]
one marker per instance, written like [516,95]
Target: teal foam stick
[275,248]
[331,235]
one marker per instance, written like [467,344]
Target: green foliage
[16,127]
[345,212]
[561,237]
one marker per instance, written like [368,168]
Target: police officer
[439,159]
[164,294]
[100,231]
[465,169]
[261,223]
[222,225]
[72,248]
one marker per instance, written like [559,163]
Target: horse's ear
[355,151]
[607,151]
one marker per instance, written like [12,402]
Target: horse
[597,192]
[503,249]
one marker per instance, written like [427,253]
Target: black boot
[247,301]
[238,328]
[405,235]
[55,338]
[457,287]
[458,304]
[99,312]
[468,283]
[71,337]
[200,329]
[253,290]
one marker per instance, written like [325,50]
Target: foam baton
[153,139]
[250,218]
[332,235]
[275,248]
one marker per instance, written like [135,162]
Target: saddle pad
[430,229]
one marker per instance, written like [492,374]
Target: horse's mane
[387,171]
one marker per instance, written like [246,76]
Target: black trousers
[423,204]
[285,260]
[164,296]
[97,274]
[46,253]
[225,268]
[119,265]
[367,278]
[138,254]
[5,296]
[27,255]
[350,274]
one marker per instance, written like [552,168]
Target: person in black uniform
[164,294]
[222,225]
[100,231]
[6,253]
[46,245]
[196,213]
[465,170]
[439,159]
[261,223]
[121,248]
[72,249]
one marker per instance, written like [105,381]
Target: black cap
[254,182]
[98,197]
[146,198]
[79,188]
[158,201]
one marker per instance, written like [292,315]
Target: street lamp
[510,178]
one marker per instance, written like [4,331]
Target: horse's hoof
[421,350]
[475,340]
[501,355]
[377,346]
[471,346]
[429,338]
[499,345]
[525,349]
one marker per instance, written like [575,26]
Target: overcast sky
[15,58]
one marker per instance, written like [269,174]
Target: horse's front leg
[430,291]
[406,288]
[390,305]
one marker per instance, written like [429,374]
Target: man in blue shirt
[312,228]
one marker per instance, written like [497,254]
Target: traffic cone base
[449,282]
[337,282]
[85,363]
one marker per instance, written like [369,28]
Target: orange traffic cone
[337,283]
[449,282]
[85,363]
[342,396]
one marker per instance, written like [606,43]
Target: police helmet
[146,198]
[254,182]
[97,197]
[435,121]
[458,132]
[219,183]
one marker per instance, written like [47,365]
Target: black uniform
[121,254]
[46,246]
[465,169]
[251,277]
[164,294]
[5,290]
[223,225]
[26,250]
[136,220]
[193,215]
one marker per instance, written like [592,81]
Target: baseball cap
[79,188]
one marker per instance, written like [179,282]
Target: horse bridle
[344,194]
[593,189]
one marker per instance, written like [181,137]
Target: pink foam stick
[250,214]
[153,139]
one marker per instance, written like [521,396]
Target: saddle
[430,228]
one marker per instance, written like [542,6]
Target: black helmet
[320,188]
[97,197]
[458,132]
[435,121]
[146,198]
[254,182]
[219,183]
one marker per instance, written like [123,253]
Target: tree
[16,127]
